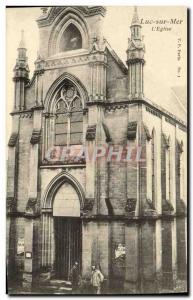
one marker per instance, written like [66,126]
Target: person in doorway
[96,280]
[75,277]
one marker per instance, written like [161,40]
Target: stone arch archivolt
[50,104]
[54,186]
[66,17]
[48,234]
[50,97]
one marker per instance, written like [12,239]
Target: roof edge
[116,58]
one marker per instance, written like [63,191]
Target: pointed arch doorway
[62,225]
[68,246]
[67,230]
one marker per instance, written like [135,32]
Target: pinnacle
[22,42]
[135,19]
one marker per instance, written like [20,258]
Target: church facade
[96,171]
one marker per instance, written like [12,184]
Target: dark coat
[74,275]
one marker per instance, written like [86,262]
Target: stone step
[57,286]
[59,282]
[61,288]
[54,290]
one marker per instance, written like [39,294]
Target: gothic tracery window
[68,116]
[71,39]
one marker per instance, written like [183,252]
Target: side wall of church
[167,238]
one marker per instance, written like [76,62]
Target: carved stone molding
[38,107]
[167,207]
[180,207]
[89,58]
[147,133]
[153,112]
[166,140]
[114,107]
[88,206]
[172,122]
[68,61]
[19,76]
[183,128]
[89,203]
[149,209]
[67,161]
[25,115]
[39,72]
[131,206]
[10,204]
[180,146]
[48,16]
[48,115]
[91,132]
[31,207]
[132,130]
[22,112]
[107,133]
[135,60]
[35,138]
[13,139]
[96,99]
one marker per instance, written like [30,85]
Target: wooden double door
[68,245]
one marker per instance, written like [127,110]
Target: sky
[160,71]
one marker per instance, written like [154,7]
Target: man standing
[96,280]
[75,277]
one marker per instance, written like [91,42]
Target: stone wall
[118,211]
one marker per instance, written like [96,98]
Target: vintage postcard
[97,150]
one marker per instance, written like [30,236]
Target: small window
[71,39]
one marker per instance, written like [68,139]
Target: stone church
[126,215]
